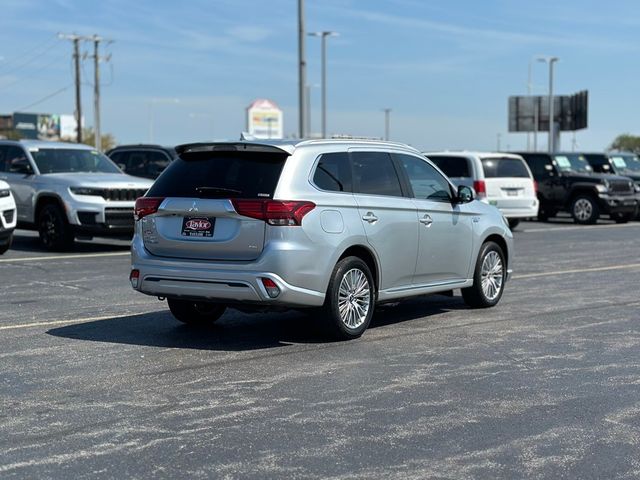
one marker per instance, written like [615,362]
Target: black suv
[622,163]
[146,161]
[566,182]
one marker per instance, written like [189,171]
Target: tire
[54,229]
[544,214]
[351,291]
[485,295]
[7,245]
[584,210]
[513,222]
[195,313]
[622,217]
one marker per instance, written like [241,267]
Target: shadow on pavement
[236,331]
[27,241]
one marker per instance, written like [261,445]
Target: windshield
[572,163]
[626,163]
[63,160]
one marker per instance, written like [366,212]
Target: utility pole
[302,72]
[76,60]
[387,112]
[96,89]
[323,37]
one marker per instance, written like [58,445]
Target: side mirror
[465,194]
[21,168]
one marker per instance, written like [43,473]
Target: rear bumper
[226,283]
[520,212]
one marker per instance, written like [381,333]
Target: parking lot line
[578,227]
[578,270]
[62,257]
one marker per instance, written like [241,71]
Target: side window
[374,174]
[17,160]
[333,172]
[538,165]
[3,158]
[453,167]
[136,164]
[426,182]
[117,158]
[157,162]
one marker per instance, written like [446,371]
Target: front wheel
[488,279]
[54,229]
[7,244]
[195,313]
[584,210]
[513,222]
[349,304]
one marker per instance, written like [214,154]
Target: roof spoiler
[229,147]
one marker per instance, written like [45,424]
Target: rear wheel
[54,229]
[584,210]
[545,214]
[488,279]
[513,222]
[195,313]
[349,304]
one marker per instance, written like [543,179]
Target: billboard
[45,126]
[264,119]
[570,112]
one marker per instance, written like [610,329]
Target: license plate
[513,193]
[198,226]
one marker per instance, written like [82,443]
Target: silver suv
[339,225]
[66,190]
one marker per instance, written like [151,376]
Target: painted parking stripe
[578,270]
[64,257]
[73,320]
[577,227]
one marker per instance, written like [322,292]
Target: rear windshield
[452,167]
[220,175]
[63,160]
[504,167]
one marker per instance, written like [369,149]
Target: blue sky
[445,68]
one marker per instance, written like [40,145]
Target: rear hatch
[508,182]
[195,216]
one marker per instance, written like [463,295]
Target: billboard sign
[26,124]
[264,119]
[45,126]
[570,112]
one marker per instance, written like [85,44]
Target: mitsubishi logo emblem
[193,208]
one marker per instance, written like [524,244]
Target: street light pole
[387,114]
[323,37]
[302,72]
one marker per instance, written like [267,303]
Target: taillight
[146,206]
[274,212]
[134,276]
[480,187]
[270,286]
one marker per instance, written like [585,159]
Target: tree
[626,143]
[88,138]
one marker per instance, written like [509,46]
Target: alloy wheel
[354,298]
[583,209]
[491,274]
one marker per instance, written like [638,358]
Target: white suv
[7,217]
[500,179]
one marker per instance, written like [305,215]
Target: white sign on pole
[264,119]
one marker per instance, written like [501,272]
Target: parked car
[500,179]
[618,163]
[7,217]
[566,182]
[337,225]
[66,190]
[147,161]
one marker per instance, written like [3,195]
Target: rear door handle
[370,217]
[426,220]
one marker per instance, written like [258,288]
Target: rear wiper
[217,192]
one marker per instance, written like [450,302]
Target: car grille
[620,186]
[8,215]
[118,217]
[123,194]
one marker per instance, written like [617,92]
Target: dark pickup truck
[566,182]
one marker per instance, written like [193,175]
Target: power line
[28,61]
[28,52]
[43,99]
[31,75]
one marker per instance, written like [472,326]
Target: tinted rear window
[333,172]
[504,167]
[375,174]
[252,175]
[452,166]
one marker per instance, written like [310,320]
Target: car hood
[98,180]
[594,177]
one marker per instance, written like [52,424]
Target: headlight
[86,191]
[603,188]
[636,187]
[5,193]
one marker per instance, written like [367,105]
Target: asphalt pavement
[97,381]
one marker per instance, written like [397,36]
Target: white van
[500,179]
